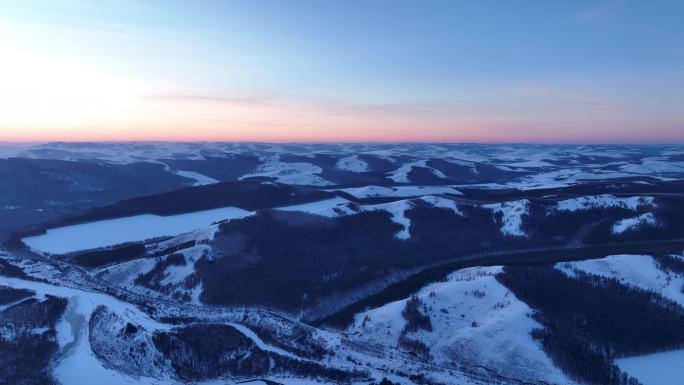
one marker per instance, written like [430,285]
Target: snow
[512,213]
[399,191]
[655,165]
[176,275]
[442,203]
[260,343]
[640,271]
[78,365]
[655,369]
[500,341]
[332,207]
[400,175]
[352,163]
[200,179]
[129,229]
[631,224]
[397,210]
[289,173]
[604,201]
[530,164]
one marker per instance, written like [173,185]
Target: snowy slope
[636,270]
[352,163]
[200,179]
[631,224]
[332,207]
[401,175]
[604,201]
[512,214]
[475,321]
[399,191]
[298,173]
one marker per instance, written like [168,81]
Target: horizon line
[388,142]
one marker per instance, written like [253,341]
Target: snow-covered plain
[655,369]
[129,229]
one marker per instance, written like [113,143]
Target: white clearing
[200,179]
[352,163]
[640,271]
[400,175]
[475,321]
[298,173]
[655,369]
[330,208]
[636,223]
[442,203]
[397,210]
[604,201]
[112,232]
[399,191]
[511,216]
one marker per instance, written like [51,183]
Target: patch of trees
[291,266]
[312,369]
[174,248]
[202,352]
[9,270]
[589,320]
[152,279]
[111,255]
[10,294]
[248,195]
[284,261]
[297,340]
[25,353]
[415,319]
[669,262]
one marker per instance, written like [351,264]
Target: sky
[537,71]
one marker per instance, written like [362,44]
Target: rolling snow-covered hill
[151,263]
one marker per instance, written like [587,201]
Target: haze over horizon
[355,71]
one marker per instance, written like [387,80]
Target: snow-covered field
[129,229]
[655,369]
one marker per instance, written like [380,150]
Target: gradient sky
[353,70]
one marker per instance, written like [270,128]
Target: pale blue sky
[542,71]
